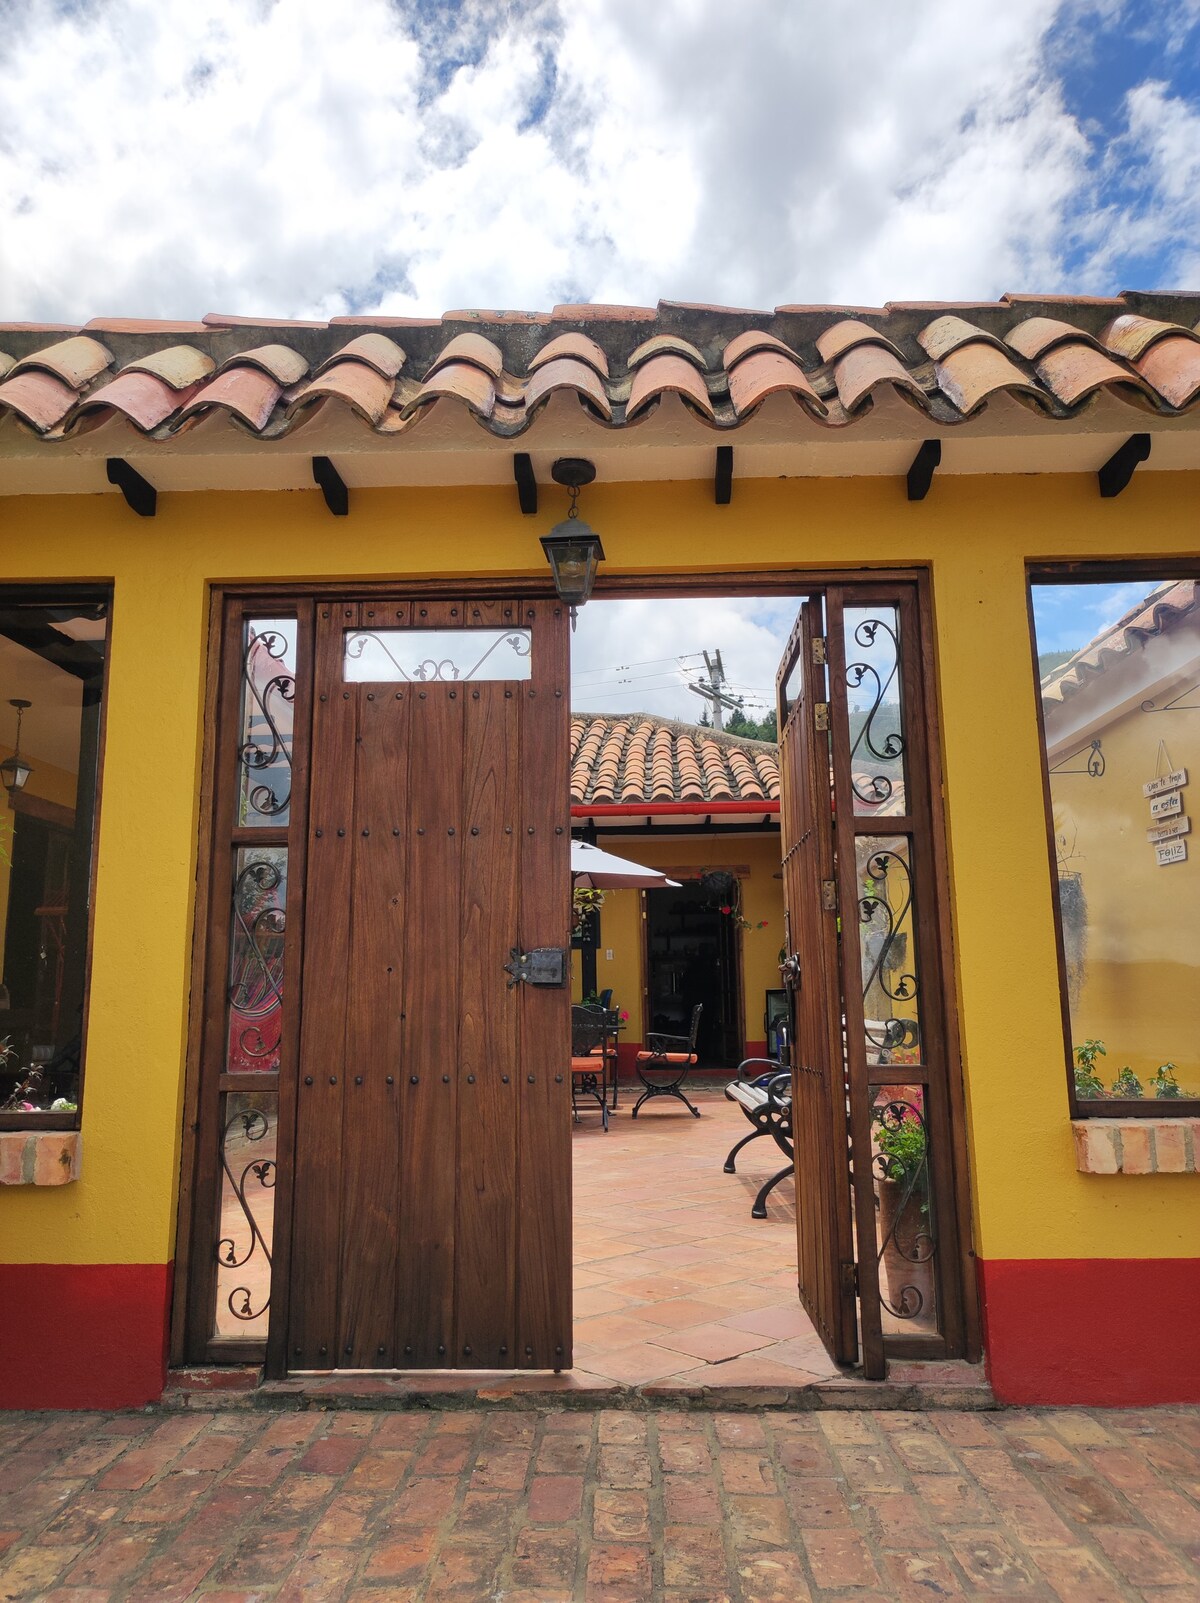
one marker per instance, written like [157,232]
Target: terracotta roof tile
[250,393]
[1036,335]
[360,386]
[504,366]
[1131,336]
[662,373]
[574,345]
[463,381]
[971,371]
[662,345]
[567,373]
[40,399]
[231,320]
[375,350]
[947,334]
[847,333]
[180,366]
[604,314]
[144,398]
[763,373]
[283,364]
[1172,366]
[1074,370]
[862,368]
[75,361]
[754,339]
[644,759]
[473,348]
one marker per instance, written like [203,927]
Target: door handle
[790,969]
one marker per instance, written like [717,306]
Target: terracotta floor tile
[639,1363]
[676,1312]
[713,1343]
[780,1323]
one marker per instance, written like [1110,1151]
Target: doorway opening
[371,817]
[692,960]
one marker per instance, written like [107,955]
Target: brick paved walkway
[607,1507]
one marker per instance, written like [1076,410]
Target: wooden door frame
[230,605]
[283,596]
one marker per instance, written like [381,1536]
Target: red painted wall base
[83,1335]
[1114,1332]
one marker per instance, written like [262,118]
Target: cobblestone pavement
[600,1507]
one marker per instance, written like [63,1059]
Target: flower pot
[907,1254]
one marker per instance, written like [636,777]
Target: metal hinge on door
[821,714]
[819,656]
[829,896]
[849,1279]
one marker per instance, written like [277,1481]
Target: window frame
[1092,571]
[49,593]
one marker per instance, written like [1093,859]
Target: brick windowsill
[1137,1146]
[39,1157]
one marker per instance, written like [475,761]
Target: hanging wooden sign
[1172,781]
[1177,826]
[1166,806]
[1175,851]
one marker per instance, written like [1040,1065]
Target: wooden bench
[766,1100]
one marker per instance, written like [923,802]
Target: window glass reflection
[1119,669]
[52,654]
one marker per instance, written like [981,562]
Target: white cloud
[163,158]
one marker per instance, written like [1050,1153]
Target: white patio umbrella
[590,867]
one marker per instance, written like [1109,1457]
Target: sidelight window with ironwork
[247,1041]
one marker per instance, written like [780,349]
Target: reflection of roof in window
[1155,614]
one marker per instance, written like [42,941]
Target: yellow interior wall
[976,533]
[51,784]
[1140,991]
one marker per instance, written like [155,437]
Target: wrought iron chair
[589,1069]
[668,1058]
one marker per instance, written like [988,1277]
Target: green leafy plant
[1088,1083]
[1127,1084]
[902,1148]
[585,899]
[1164,1082]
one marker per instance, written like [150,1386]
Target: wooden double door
[387,1012]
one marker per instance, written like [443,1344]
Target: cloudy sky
[297,158]
[305,159]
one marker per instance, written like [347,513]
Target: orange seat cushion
[585,1065]
[666,1057]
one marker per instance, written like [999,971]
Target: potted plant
[902,1169]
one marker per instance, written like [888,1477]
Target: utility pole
[713,691]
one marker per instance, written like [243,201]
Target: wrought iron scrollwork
[909,1239]
[255,1126]
[888,916]
[874,789]
[432,669]
[1093,767]
[256,975]
[259,754]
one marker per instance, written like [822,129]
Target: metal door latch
[544,965]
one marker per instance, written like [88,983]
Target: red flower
[727,910]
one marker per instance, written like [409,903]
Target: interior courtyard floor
[675,1283]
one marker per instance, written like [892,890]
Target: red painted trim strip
[1107,1332]
[670,809]
[83,1335]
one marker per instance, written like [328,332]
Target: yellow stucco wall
[976,533]
[762,899]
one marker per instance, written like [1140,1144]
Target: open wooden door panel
[825,1253]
